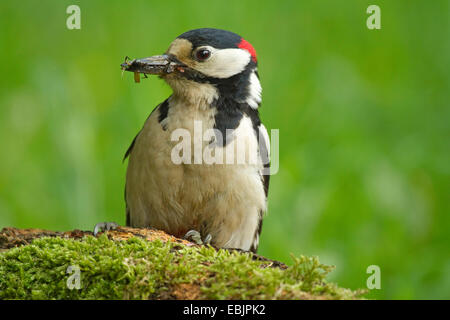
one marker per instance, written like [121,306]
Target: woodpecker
[214,78]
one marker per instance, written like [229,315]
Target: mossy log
[135,263]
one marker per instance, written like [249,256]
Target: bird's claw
[207,239]
[196,237]
[104,226]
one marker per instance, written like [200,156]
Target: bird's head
[206,64]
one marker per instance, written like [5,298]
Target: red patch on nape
[247,46]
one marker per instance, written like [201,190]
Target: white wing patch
[254,91]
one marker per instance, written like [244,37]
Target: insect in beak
[158,65]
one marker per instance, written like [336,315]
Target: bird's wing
[130,148]
[264,152]
[127,154]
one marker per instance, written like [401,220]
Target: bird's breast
[179,176]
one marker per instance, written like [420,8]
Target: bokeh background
[363,118]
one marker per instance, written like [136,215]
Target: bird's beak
[159,65]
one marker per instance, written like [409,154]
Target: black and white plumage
[213,74]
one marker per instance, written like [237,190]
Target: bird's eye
[202,54]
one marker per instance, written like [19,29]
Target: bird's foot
[196,237]
[104,226]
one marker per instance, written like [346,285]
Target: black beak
[159,65]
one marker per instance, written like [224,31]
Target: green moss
[139,269]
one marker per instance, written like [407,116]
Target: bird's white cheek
[225,63]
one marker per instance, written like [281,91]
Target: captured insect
[127,64]
[158,65]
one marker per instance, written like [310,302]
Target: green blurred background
[363,118]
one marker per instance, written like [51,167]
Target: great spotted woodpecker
[214,77]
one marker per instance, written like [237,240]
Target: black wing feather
[162,115]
